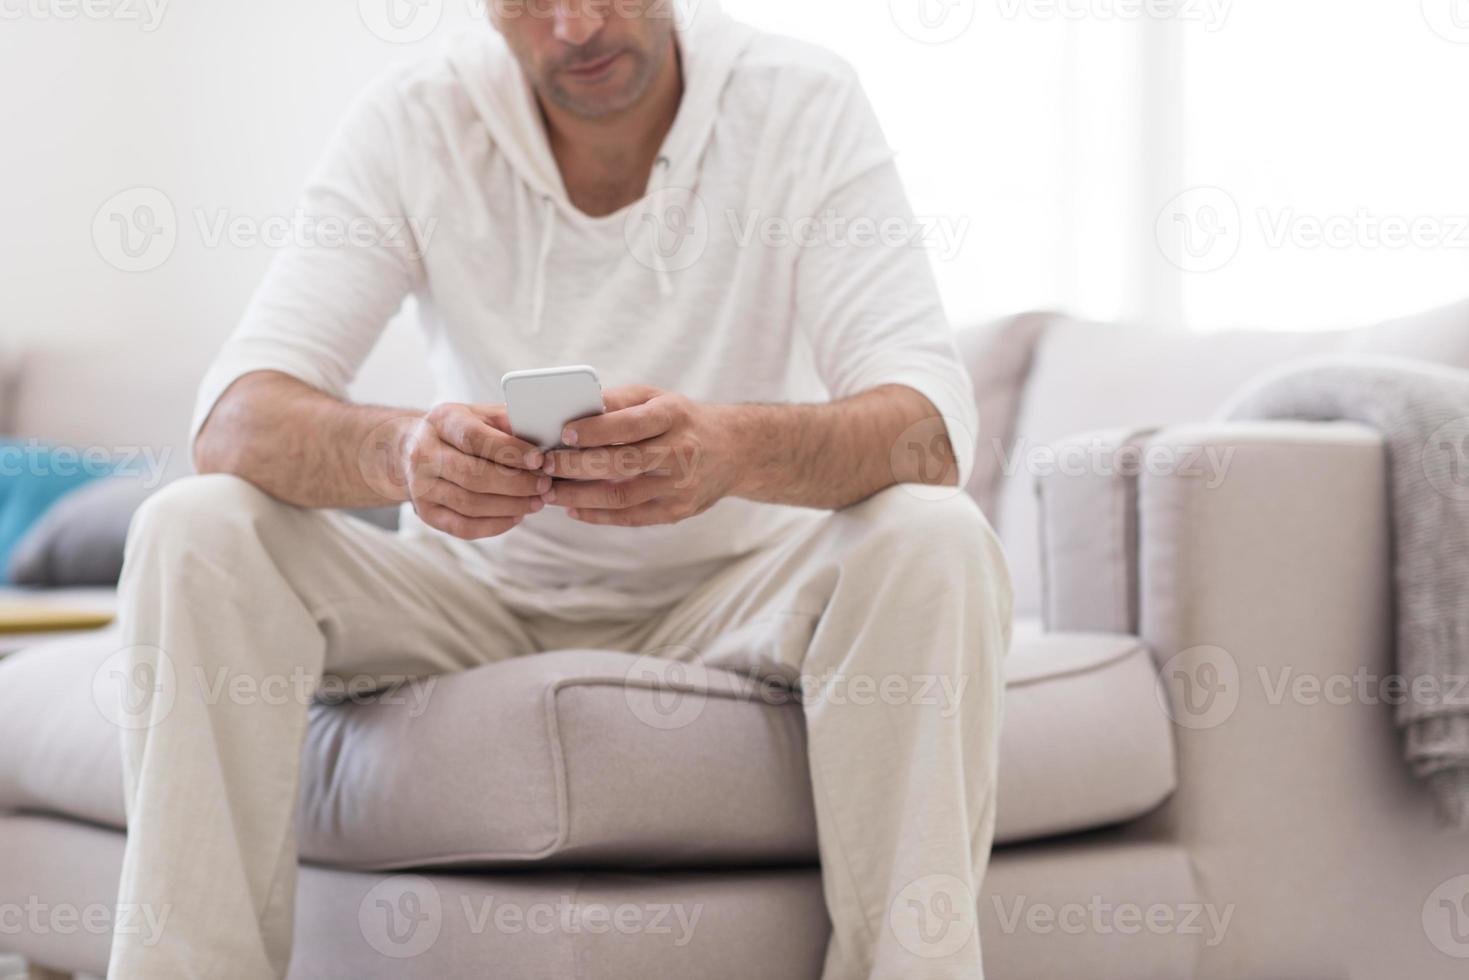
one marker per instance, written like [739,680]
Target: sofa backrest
[1088,376]
[125,397]
[1038,377]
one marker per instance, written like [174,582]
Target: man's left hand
[654,457]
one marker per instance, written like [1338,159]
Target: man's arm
[658,458]
[833,455]
[458,464]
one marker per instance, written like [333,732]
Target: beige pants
[221,576]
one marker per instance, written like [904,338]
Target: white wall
[223,107]
[1054,131]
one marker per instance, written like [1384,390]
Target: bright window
[1205,163]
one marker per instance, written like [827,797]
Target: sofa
[1175,802]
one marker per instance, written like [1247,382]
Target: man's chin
[623,87]
[594,105]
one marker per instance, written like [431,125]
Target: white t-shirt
[762,266]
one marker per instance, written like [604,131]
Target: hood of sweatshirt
[710,43]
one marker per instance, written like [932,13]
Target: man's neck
[605,162]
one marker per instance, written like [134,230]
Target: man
[767,395]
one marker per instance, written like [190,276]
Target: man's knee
[935,516]
[930,533]
[200,509]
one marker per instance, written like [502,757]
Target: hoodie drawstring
[538,289]
[660,267]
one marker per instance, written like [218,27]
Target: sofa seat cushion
[1085,742]
[591,758]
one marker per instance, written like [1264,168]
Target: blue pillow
[33,476]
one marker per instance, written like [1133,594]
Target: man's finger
[610,494]
[644,515]
[622,427]
[469,433]
[603,463]
[494,415]
[479,505]
[482,476]
[626,396]
[466,528]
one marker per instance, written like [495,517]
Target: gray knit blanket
[1422,412]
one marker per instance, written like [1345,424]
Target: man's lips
[594,69]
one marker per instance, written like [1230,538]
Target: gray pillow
[79,541]
[80,538]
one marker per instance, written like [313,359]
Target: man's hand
[653,458]
[466,475]
[657,458]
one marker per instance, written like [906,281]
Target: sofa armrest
[1091,561]
[1265,595]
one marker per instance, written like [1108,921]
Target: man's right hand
[466,475]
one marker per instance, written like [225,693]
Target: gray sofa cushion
[726,924]
[729,924]
[592,758]
[79,540]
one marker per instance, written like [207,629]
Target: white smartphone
[542,402]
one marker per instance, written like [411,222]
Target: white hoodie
[718,284]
